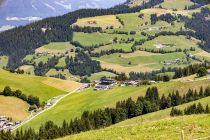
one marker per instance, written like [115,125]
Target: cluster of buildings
[108,83]
[6,124]
[171,62]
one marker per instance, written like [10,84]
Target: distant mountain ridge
[21,12]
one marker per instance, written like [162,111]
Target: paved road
[31,117]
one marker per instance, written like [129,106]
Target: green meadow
[73,105]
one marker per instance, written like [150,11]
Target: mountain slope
[13,13]
[158,125]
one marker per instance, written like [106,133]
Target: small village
[109,83]
[6,123]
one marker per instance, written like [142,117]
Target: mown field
[124,46]
[43,87]
[176,4]
[99,21]
[13,107]
[153,61]
[90,39]
[158,125]
[97,76]
[55,48]
[170,43]
[73,105]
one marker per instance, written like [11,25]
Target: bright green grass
[58,46]
[3,61]
[73,105]
[176,4]
[149,61]
[194,126]
[29,85]
[89,39]
[170,74]
[97,76]
[61,62]
[30,57]
[177,42]
[124,46]
[140,24]
[65,72]
[43,58]
[158,125]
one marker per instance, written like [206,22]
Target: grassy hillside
[97,76]
[102,21]
[14,108]
[176,42]
[73,105]
[55,48]
[3,61]
[176,4]
[43,87]
[158,125]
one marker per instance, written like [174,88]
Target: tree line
[126,109]
[192,109]
[179,72]
[31,100]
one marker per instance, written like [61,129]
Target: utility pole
[182,135]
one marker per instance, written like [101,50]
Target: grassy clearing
[123,46]
[28,69]
[134,3]
[97,76]
[55,48]
[99,21]
[124,69]
[159,11]
[73,105]
[65,72]
[89,39]
[203,54]
[3,61]
[13,107]
[154,62]
[42,58]
[164,42]
[176,4]
[43,87]
[61,62]
[141,24]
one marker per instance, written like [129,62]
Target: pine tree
[199,109]
[207,109]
